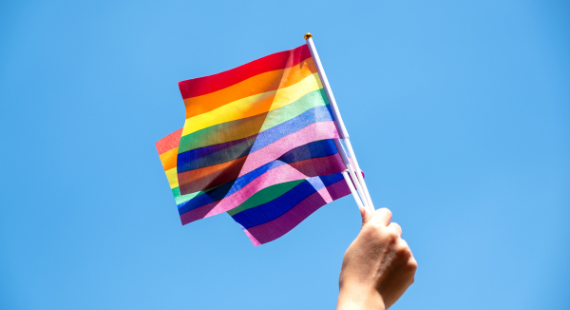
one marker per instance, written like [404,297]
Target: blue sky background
[459,112]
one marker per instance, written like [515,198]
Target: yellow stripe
[172,177]
[253,105]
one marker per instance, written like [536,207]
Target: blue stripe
[315,149]
[314,115]
[225,152]
[279,206]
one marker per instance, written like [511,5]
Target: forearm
[354,298]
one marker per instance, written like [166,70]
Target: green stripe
[308,101]
[214,135]
[183,198]
[264,196]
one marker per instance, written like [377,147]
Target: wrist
[359,298]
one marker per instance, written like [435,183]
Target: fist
[378,267]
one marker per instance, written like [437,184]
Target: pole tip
[308,35]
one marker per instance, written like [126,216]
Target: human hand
[378,267]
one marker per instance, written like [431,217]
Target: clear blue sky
[459,112]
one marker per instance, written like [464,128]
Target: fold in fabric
[241,119]
[258,144]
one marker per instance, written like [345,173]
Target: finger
[411,263]
[396,228]
[403,244]
[383,216]
[404,247]
[366,215]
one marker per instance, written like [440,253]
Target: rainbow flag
[271,212]
[252,127]
[258,144]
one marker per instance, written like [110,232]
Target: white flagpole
[347,164]
[352,190]
[358,171]
[338,119]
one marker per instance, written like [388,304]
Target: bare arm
[378,267]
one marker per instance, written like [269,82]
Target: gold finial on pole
[308,35]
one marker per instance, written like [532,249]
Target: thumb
[365,215]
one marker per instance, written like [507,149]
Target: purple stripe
[272,230]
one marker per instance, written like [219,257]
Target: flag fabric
[261,124]
[271,212]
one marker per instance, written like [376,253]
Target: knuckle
[392,235]
[403,253]
[385,211]
[412,265]
[395,228]
[403,250]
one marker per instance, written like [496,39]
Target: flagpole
[352,190]
[354,180]
[338,119]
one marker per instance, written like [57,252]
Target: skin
[378,267]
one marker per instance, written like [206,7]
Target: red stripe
[169,142]
[211,83]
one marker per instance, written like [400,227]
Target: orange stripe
[193,175]
[201,178]
[261,83]
[168,159]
